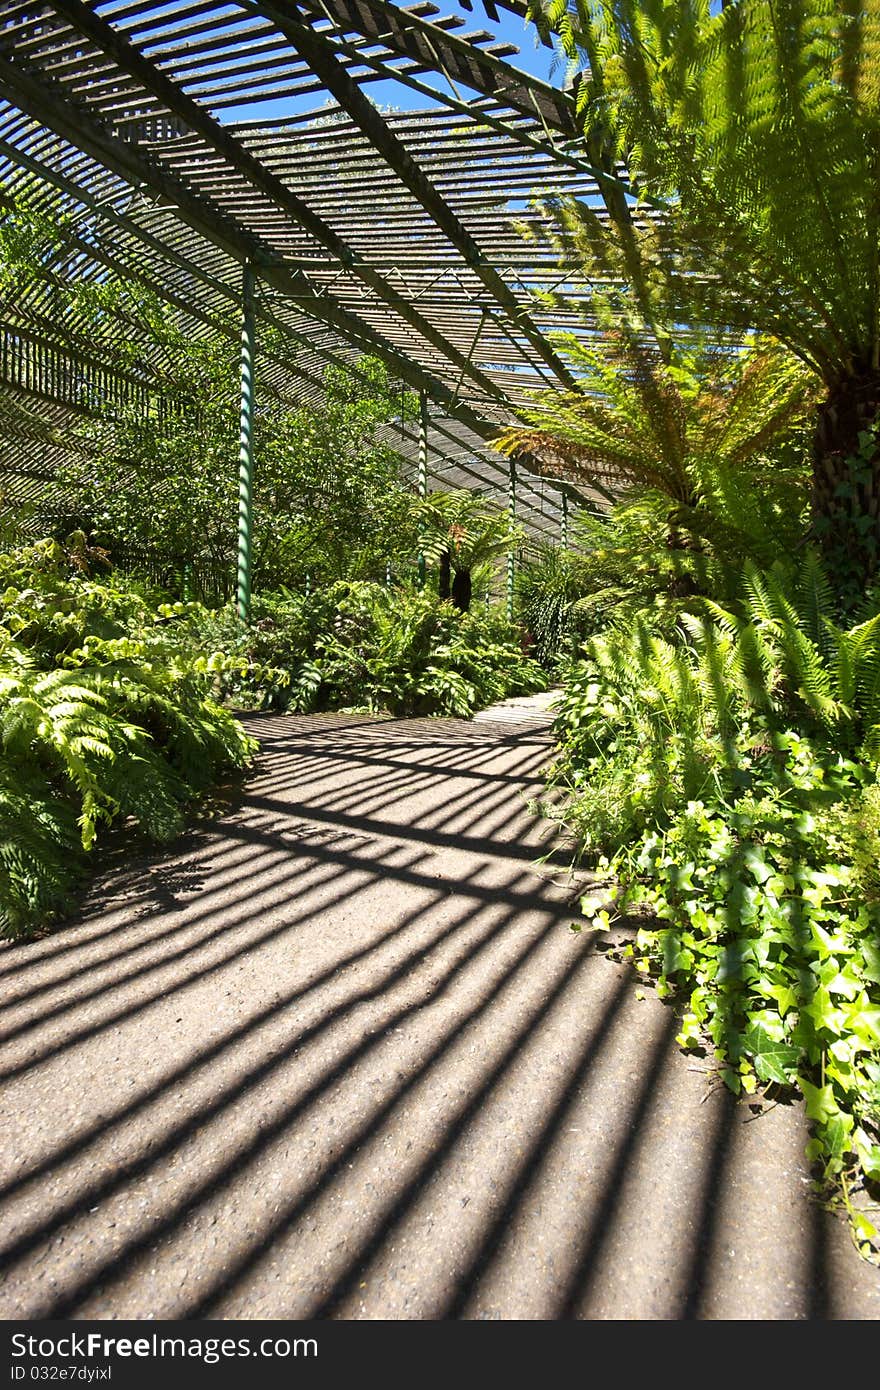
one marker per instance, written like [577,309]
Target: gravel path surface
[340,1055]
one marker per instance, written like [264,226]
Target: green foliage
[727,779]
[696,438]
[109,710]
[361,646]
[697,434]
[105,717]
[153,478]
[328,497]
[686,424]
[846,527]
[754,128]
[758,126]
[467,528]
[549,586]
[640,556]
[463,534]
[41,856]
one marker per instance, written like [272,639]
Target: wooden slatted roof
[372,230]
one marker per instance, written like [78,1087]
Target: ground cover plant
[106,717]
[719,740]
[115,703]
[365,646]
[726,780]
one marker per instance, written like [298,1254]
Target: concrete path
[340,1055]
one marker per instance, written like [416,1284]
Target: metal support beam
[410,35]
[511,558]
[563,522]
[206,217]
[423,470]
[350,95]
[248,167]
[246,444]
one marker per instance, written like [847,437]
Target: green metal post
[563,522]
[246,444]
[511,506]
[423,470]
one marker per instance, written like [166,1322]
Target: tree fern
[549,586]
[754,126]
[460,531]
[682,416]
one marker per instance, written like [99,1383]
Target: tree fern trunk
[462,589]
[444,581]
[846,484]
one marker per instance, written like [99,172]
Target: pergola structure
[347,228]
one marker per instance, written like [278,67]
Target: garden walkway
[339,1054]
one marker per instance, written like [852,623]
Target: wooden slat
[382,233]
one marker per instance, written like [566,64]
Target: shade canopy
[182,140]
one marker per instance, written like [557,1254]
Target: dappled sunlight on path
[340,1055]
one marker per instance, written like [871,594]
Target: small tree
[756,125]
[460,532]
[691,420]
[328,498]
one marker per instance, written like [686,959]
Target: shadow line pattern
[339,1055]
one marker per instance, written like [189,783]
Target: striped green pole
[246,444]
[511,507]
[423,470]
[563,522]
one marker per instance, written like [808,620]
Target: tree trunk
[846,484]
[687,551]
[462,589]
[444,582]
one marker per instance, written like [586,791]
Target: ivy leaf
[674,958]
[773,1061]
[866,1022]
[837,1134]
[842,983]
[820,1102]
[871,962]
[756,864]
[731,960]
[786,998]
[865,1228]
[869,1154]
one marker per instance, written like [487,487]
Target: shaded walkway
[341,1055]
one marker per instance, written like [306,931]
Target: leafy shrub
[549,589]
[359,645]
[105,716]
[728,780]
[109,697]
[462,533]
